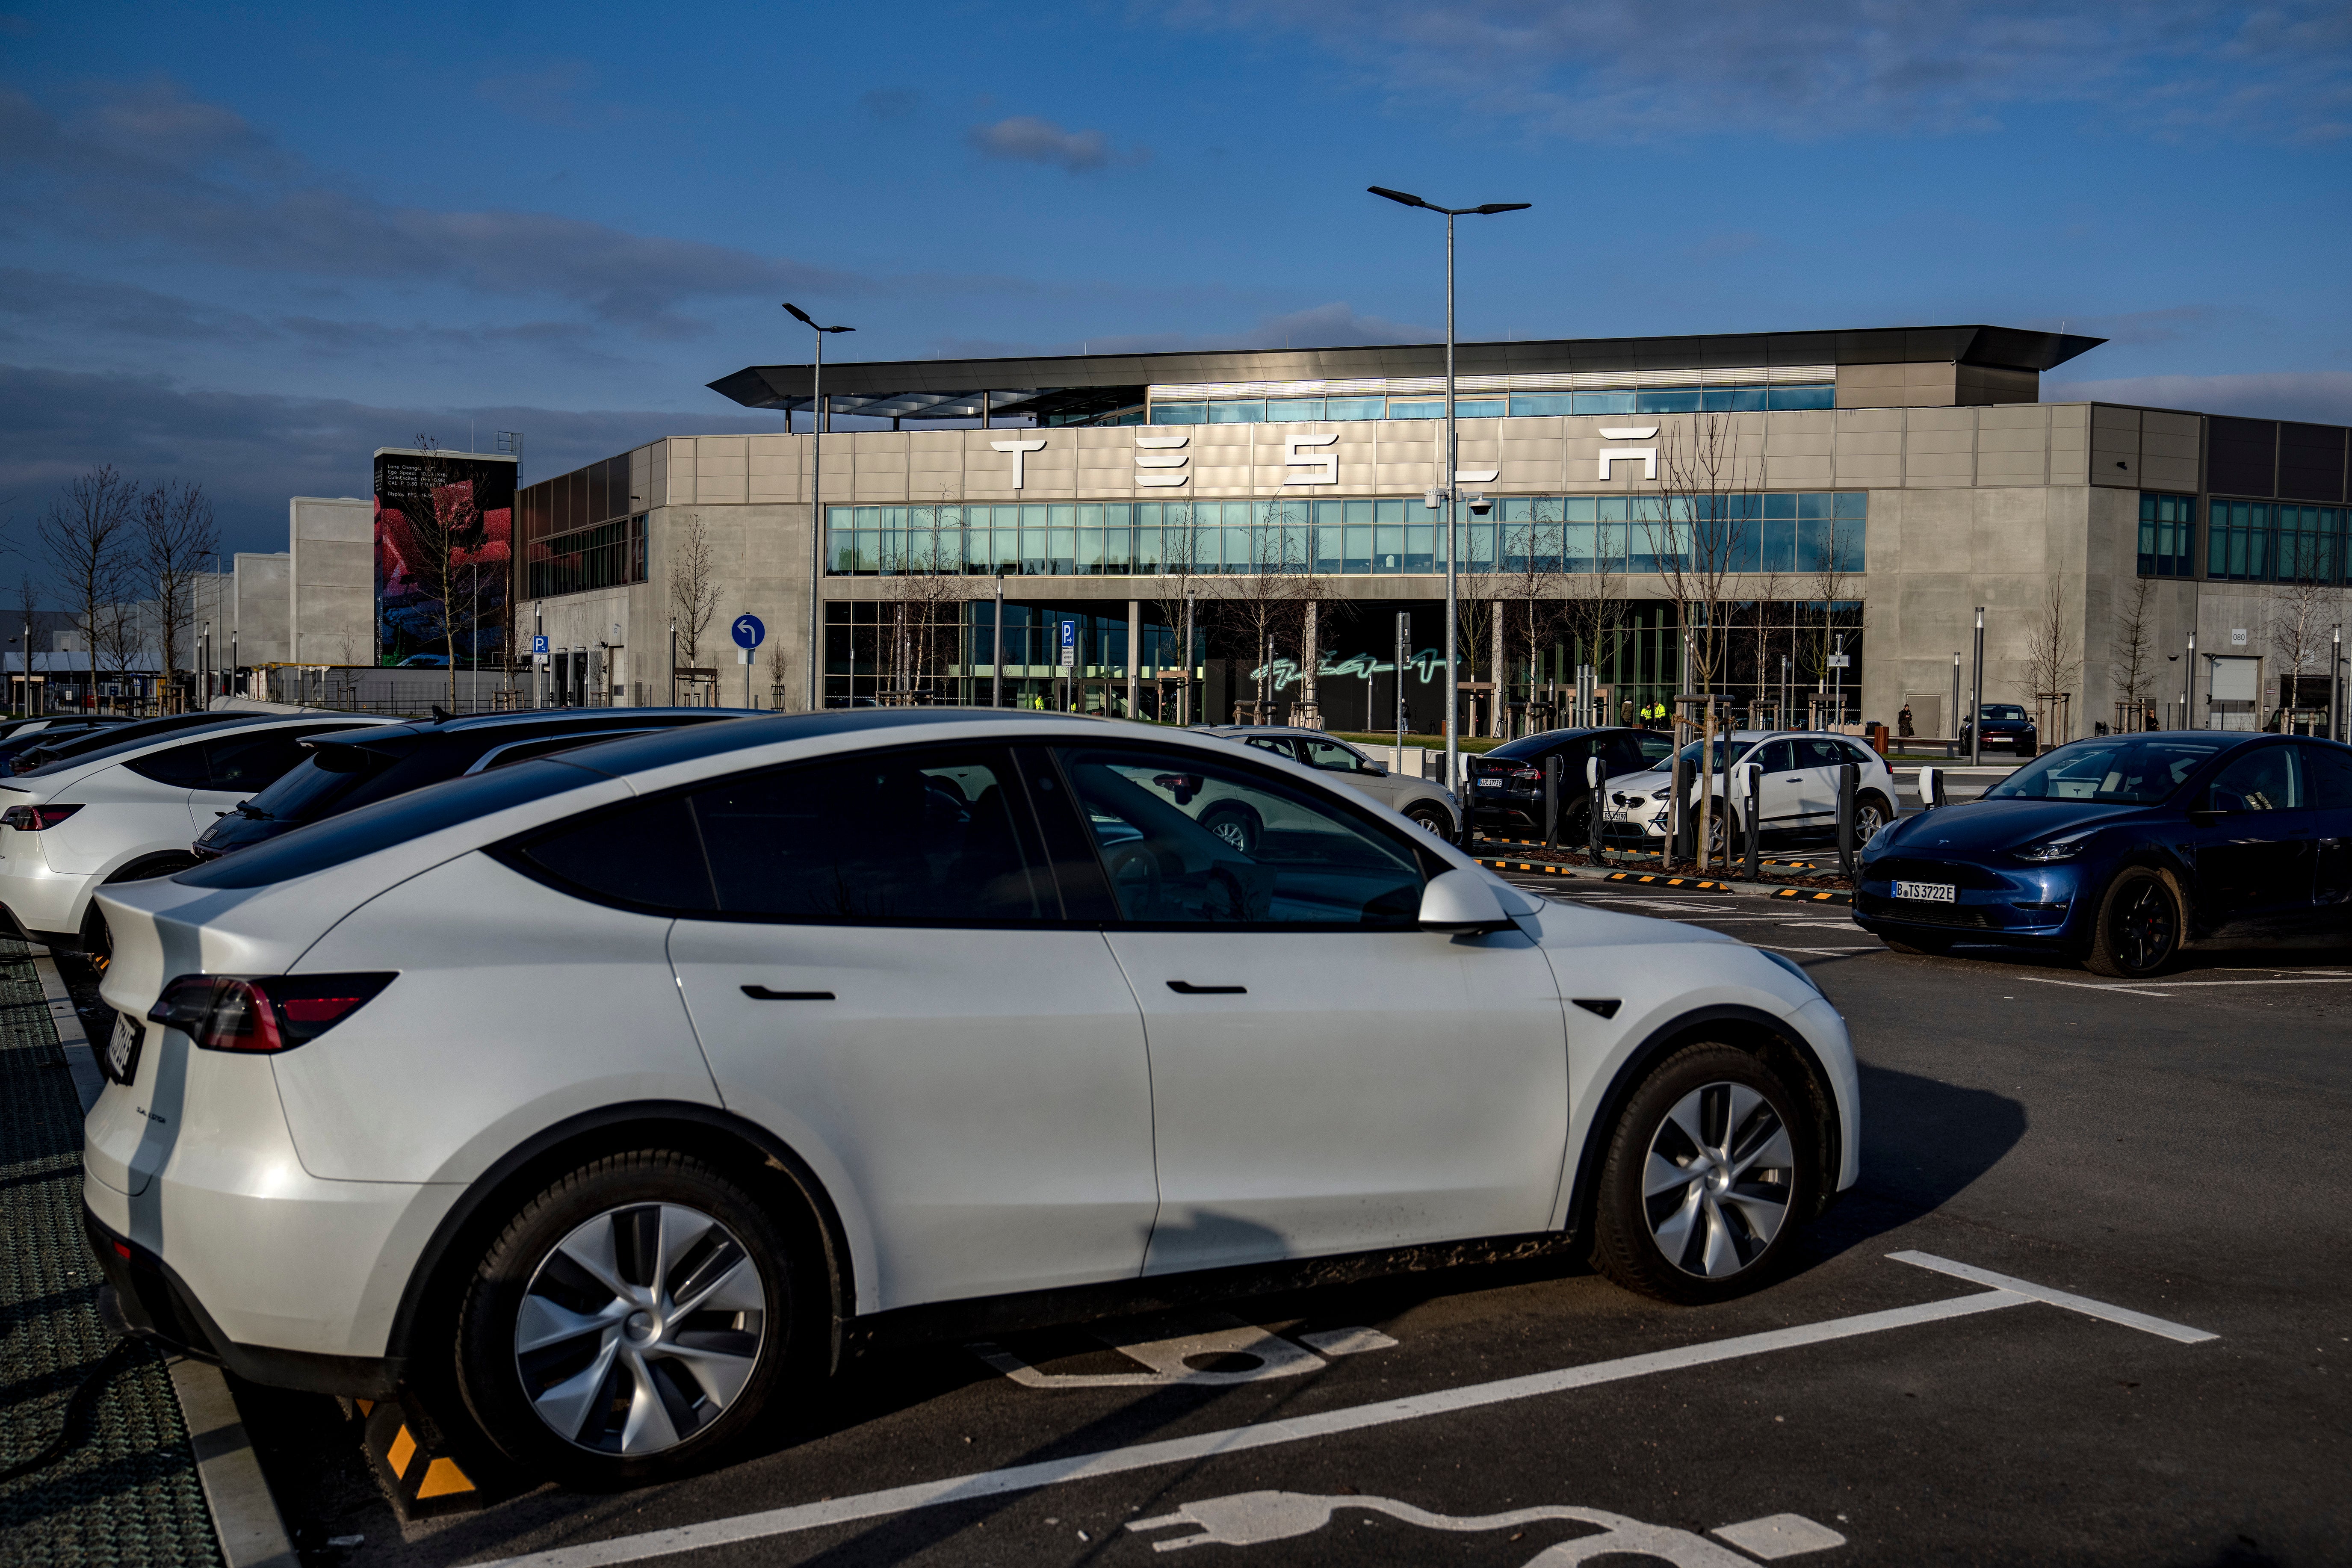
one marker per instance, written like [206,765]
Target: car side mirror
[1461,901]
[1371,766]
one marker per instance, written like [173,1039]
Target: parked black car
[21,735]
[2004,724]
[354,769]
[1507,784]
[2122,849]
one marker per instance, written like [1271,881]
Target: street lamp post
[996,648]
[2189,685]
[1449,483]
[816,506]
[1956,704]
[1975,702]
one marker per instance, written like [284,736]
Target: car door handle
[762,993]
[1186,988]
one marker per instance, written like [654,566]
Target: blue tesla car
[2124,849]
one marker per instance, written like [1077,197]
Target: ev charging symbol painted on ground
[1169,1348]
[1253,1519]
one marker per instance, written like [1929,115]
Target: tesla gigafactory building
[1822,511]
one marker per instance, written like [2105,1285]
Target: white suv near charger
[598,1101]
[130,810]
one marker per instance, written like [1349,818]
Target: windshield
[2002,711]
[309,788]
[1726,753]
[2119,770]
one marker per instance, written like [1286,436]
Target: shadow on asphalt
[1924,1142]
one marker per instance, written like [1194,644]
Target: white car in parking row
[129,810]
[1797,789]
[597,1098]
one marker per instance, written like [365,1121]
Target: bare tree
[1593,603]
[1265,606]
[1528,602]
[2053,655]
[693,587]
[83,536]
[1828,573]
[1698,531]
[176,533]
[924,585]
[2303,616]
[2132,657]
[1179,583]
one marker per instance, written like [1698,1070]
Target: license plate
[1490,783]
[1927,892]
[122,1050]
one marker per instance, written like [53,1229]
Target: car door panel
[2255,846]
[2327,781]
[1325,1076]
[884,970]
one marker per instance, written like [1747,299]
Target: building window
[1810,534]
[1790,398]
[608,555]
[2167,531]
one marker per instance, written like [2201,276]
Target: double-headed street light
[1448,488]
[817,507]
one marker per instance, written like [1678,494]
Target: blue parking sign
[539,645]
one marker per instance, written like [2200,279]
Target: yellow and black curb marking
[1814,895]
[1529,866]
[1663,882]
[412,1462]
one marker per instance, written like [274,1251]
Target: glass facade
[2168,535]
[2268,542]
[1781,531]
[607,556]
[1521,405]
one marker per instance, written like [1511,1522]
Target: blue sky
[246,244]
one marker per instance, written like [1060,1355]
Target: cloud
[1814,70]
[251,452]
[891,102]
[562,94]
[2320,396]
[1331,326]
[149,167]
[1026,139]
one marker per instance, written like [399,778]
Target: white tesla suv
[598,1098]
[130,810]
[1797,789]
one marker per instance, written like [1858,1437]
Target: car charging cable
[122,1353]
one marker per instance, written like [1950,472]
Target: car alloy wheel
[1430,820]
[2139,929]
[1716,1185]
[640,1329]
[1869,816]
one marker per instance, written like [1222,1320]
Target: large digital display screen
[443,556]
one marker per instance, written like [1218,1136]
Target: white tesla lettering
[1310,468]
[1020,451]
[1648,455]
[1155,455]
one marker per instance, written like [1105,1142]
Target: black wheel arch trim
[1660,1043]
[540,1157]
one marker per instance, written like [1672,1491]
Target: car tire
[1917,946]
[1236,824]
[2137,930]
[1431,819]
[1723,840]
[1711,1237]
[565,1325]
[1871,813]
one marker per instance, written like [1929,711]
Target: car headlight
[2056,849]
[1664,795]
[1793,967]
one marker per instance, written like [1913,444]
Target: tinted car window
[1815,752]
[380,827]
[1777,756]
[1330,756]
[2264,779]
[243,763]
[646,853]
[311,788]
[2328,777]
[1186,840]
[922,835]
[2002,711]
[1278,746]
[2115,769]
[1654,748]
[182,766]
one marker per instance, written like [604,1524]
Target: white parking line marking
[1779,1535]
[1347,1341]
[1172,1345]
[1254,1519]
[2180,1332]
[2173,985]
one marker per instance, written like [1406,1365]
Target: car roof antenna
[441,715]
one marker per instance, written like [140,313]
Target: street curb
[245,1516]
[1686,884]
[81,1060]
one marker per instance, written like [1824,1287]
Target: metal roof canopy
[1094,383]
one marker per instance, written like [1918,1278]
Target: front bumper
[2039,906]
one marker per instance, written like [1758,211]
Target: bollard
[1848,780]
[1754,817]
[1596,804]
[1931,788]
[1678,848]
[1551,801]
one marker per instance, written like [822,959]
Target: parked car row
[596,1097]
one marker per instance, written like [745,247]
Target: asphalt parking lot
[2087,1306]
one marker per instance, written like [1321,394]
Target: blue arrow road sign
[749,632]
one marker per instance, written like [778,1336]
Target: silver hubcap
[1716,1185]
[640,1329]
[1232,832]
[1866,824]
